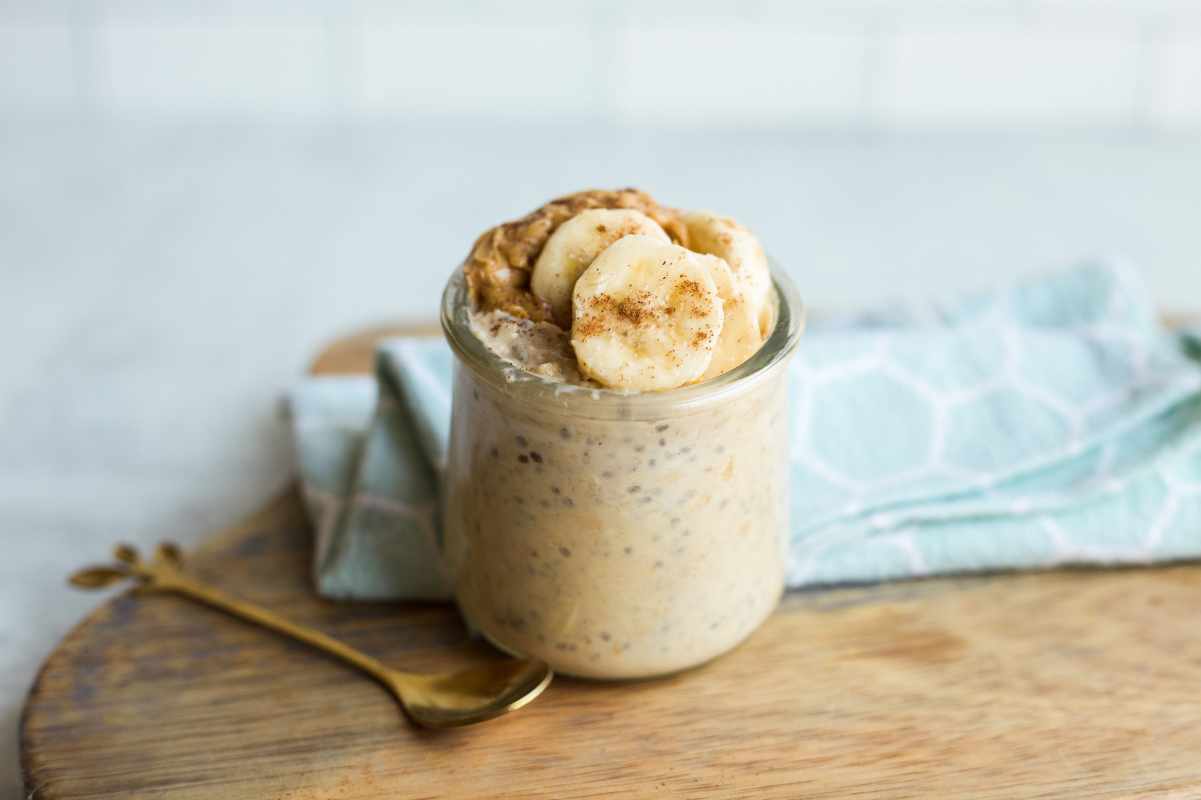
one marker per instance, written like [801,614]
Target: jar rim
[616,403]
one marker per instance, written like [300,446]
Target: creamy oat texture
[642,540]
[616,548]
[540,348]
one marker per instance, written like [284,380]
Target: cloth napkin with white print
[1053,423]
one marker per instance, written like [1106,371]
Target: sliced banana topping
[641,296]
[575,244]
[647,315]
[740,335]
[723,237]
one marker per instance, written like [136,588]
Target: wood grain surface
[1057,684]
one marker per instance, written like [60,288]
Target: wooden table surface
[1072,683]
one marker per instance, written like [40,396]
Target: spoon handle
[162,573]
[170,580]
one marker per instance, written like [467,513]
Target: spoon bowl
[471,695]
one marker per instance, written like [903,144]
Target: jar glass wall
[617,535]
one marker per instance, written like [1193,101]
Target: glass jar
[617,535]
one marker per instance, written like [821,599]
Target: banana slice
[723,237]
[574,245]
[647,315]
[740,335]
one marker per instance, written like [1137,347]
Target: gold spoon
[432,701]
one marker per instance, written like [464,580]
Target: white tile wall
[226,11]
[738,72]
[37,68]
[1009,74]
[469,67]
[1175,83]
[1186,11]
[205,67]
[867,63]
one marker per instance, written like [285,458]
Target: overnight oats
[617,497]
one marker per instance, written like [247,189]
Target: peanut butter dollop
[499,265]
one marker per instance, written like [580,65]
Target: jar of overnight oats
[617,534]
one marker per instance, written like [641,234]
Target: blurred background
[195,195]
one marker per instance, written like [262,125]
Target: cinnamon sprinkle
[584,327]
[637,309]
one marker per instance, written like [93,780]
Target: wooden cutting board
[1058,684]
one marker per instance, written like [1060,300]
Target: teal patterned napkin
[1052,423]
